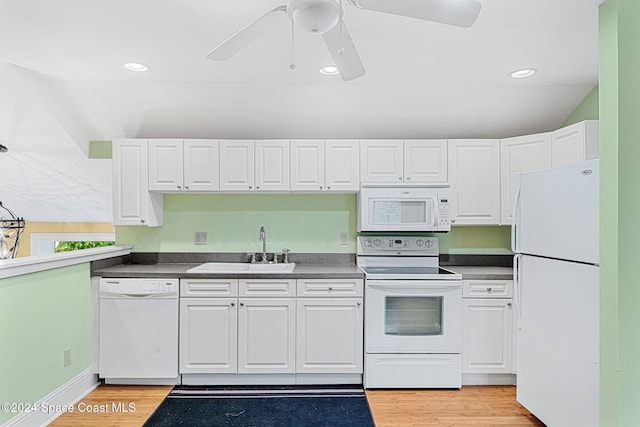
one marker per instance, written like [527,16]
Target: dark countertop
[477,272]
[179,270]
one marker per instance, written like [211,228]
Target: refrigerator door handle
[515,217]
[517,292]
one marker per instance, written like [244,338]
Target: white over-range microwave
[404,208]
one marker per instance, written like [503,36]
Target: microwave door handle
[436,220]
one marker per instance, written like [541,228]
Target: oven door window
[413,316]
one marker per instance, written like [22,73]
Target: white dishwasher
[138,341]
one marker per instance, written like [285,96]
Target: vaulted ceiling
[424,79]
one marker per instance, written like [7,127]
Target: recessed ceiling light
[329,70]
[136,66]
[523,73]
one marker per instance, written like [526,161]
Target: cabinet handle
[358,304]
[257,187]
[186,187]
[233,304]
[328,187]
[452,221]
[179,187]
[142,221]
[489,290]
[408,178]
[330,288]
[509,304]
[400,178]
[250,187]
[321,187]
[241,304]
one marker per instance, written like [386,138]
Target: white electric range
[413,314]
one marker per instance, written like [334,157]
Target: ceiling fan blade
[461,13]
[344,53]
[242,38]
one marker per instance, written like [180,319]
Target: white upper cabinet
[183,165]
[381,160]
[425,160]
[165,165]
[474,176]
[575,143]
[520,154]
[201,165]
[132,202]
[318,165]
[307,165]
[237,165]
[417,160]
[272,165]
[342,168]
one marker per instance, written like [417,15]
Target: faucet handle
[285,255]
[253,257]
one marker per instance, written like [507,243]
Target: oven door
[413,316]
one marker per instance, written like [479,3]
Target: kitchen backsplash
[301,222]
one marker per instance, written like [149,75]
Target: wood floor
[471,406]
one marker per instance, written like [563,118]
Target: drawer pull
[233,304]
[330,288]
[489,290]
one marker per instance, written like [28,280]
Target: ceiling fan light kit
[316,16]
[326,17]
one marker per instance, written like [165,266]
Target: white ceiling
[424,80]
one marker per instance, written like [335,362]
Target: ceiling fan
[325,17]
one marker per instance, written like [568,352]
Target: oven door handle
[413,287]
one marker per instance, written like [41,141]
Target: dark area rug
[266,406]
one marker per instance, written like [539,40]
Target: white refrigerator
[556,282]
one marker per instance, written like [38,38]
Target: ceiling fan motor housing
[316,16]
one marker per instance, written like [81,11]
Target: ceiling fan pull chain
[341,49]
[292,66]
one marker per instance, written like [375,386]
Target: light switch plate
[200,238]
[344,237]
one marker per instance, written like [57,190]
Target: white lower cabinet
[487,330]
[329,338]
[258,326]
[266,335]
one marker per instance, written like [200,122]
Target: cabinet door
[487,330]
[381,160]
[575,143]
[342,165]
[266,335]
[520,154]
[425,160]
[165,165]
[236,165]
[474,175]
[201,165]
[272,165]
[132,202]
[307,165]
[208,335]
[330,335]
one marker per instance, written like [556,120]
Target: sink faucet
[263,238]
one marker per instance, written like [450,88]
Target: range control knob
[377,242]
[419,243]
[429,243]
[367,243]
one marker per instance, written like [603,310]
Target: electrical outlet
[67,356]
[200,238]
[344,237]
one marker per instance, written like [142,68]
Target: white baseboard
[488,379]
[67,394]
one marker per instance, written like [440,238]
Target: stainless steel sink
[242,268]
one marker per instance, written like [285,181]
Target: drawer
[209,287]
[267,287]
[487,288]
[330,287]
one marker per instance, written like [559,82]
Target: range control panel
[397,245]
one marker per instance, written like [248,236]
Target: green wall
[42,314]
[620,210]
[301,222]
[587,110]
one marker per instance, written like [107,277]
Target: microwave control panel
[443,212]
